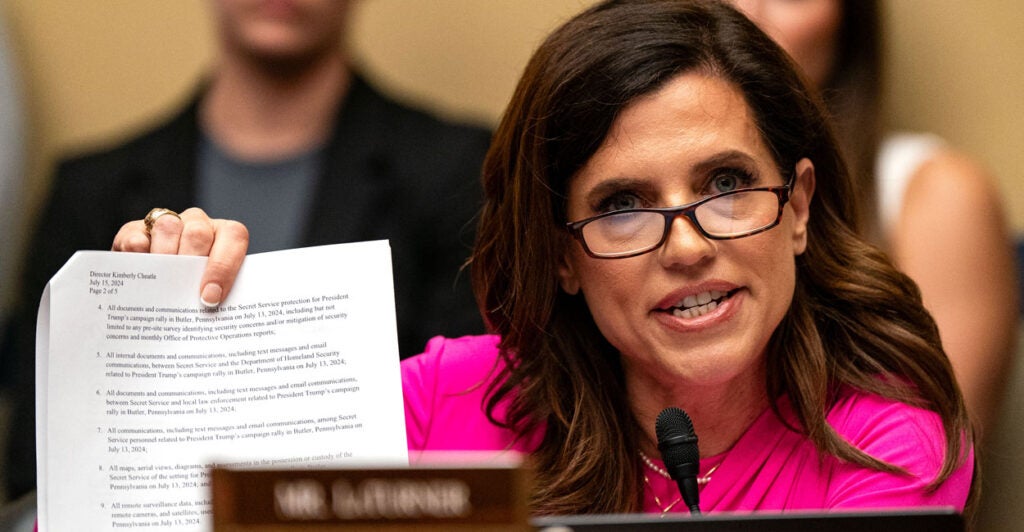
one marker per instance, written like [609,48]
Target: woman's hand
[192,233]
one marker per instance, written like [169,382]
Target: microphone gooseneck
[677,442]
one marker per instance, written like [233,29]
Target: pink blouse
[769,468]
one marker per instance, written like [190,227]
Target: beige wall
[957,68]
[95,70]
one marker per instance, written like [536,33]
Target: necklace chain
[701,481]
[661,471]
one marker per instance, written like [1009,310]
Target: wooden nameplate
[416,498]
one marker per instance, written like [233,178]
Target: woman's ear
[567,276]
[800,201]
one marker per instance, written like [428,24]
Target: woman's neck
[720,414]
[261,114]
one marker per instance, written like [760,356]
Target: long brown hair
[854,317]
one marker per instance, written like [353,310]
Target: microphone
[678,445]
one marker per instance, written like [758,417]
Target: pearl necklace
[701,481]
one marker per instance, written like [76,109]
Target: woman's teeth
[698,305]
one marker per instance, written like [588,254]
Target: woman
[925,202]
[813,375]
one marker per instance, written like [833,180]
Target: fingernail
[211,295]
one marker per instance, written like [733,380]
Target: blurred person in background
[936,211]
[285,136]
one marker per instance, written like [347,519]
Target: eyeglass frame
[782,192]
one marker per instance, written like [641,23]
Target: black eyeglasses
[725,216]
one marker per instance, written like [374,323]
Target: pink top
[769,468]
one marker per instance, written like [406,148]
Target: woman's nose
[685,245]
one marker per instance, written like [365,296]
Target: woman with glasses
[668,222]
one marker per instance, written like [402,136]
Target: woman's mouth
[697,305]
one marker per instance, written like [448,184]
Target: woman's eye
[729,181]
[619,202]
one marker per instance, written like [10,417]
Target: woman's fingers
[132,237]
[197,233]
[226,254]
[165,232]
[159,232]
[224,242]
[191,233]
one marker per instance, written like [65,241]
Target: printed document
[141,389]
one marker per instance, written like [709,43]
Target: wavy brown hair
[855,320]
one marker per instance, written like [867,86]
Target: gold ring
[153,214]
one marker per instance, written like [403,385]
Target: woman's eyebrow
[615,184]
[728,157]
[610,186]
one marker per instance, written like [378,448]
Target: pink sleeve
[446,391]
[905,436]
[419,387]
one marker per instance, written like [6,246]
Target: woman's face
[807,29]
[691,139]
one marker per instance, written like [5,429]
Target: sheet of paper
[141,388]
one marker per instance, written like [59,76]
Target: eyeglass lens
[722,217]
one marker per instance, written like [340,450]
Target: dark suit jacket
[390,172]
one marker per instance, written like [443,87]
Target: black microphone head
[677,440]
